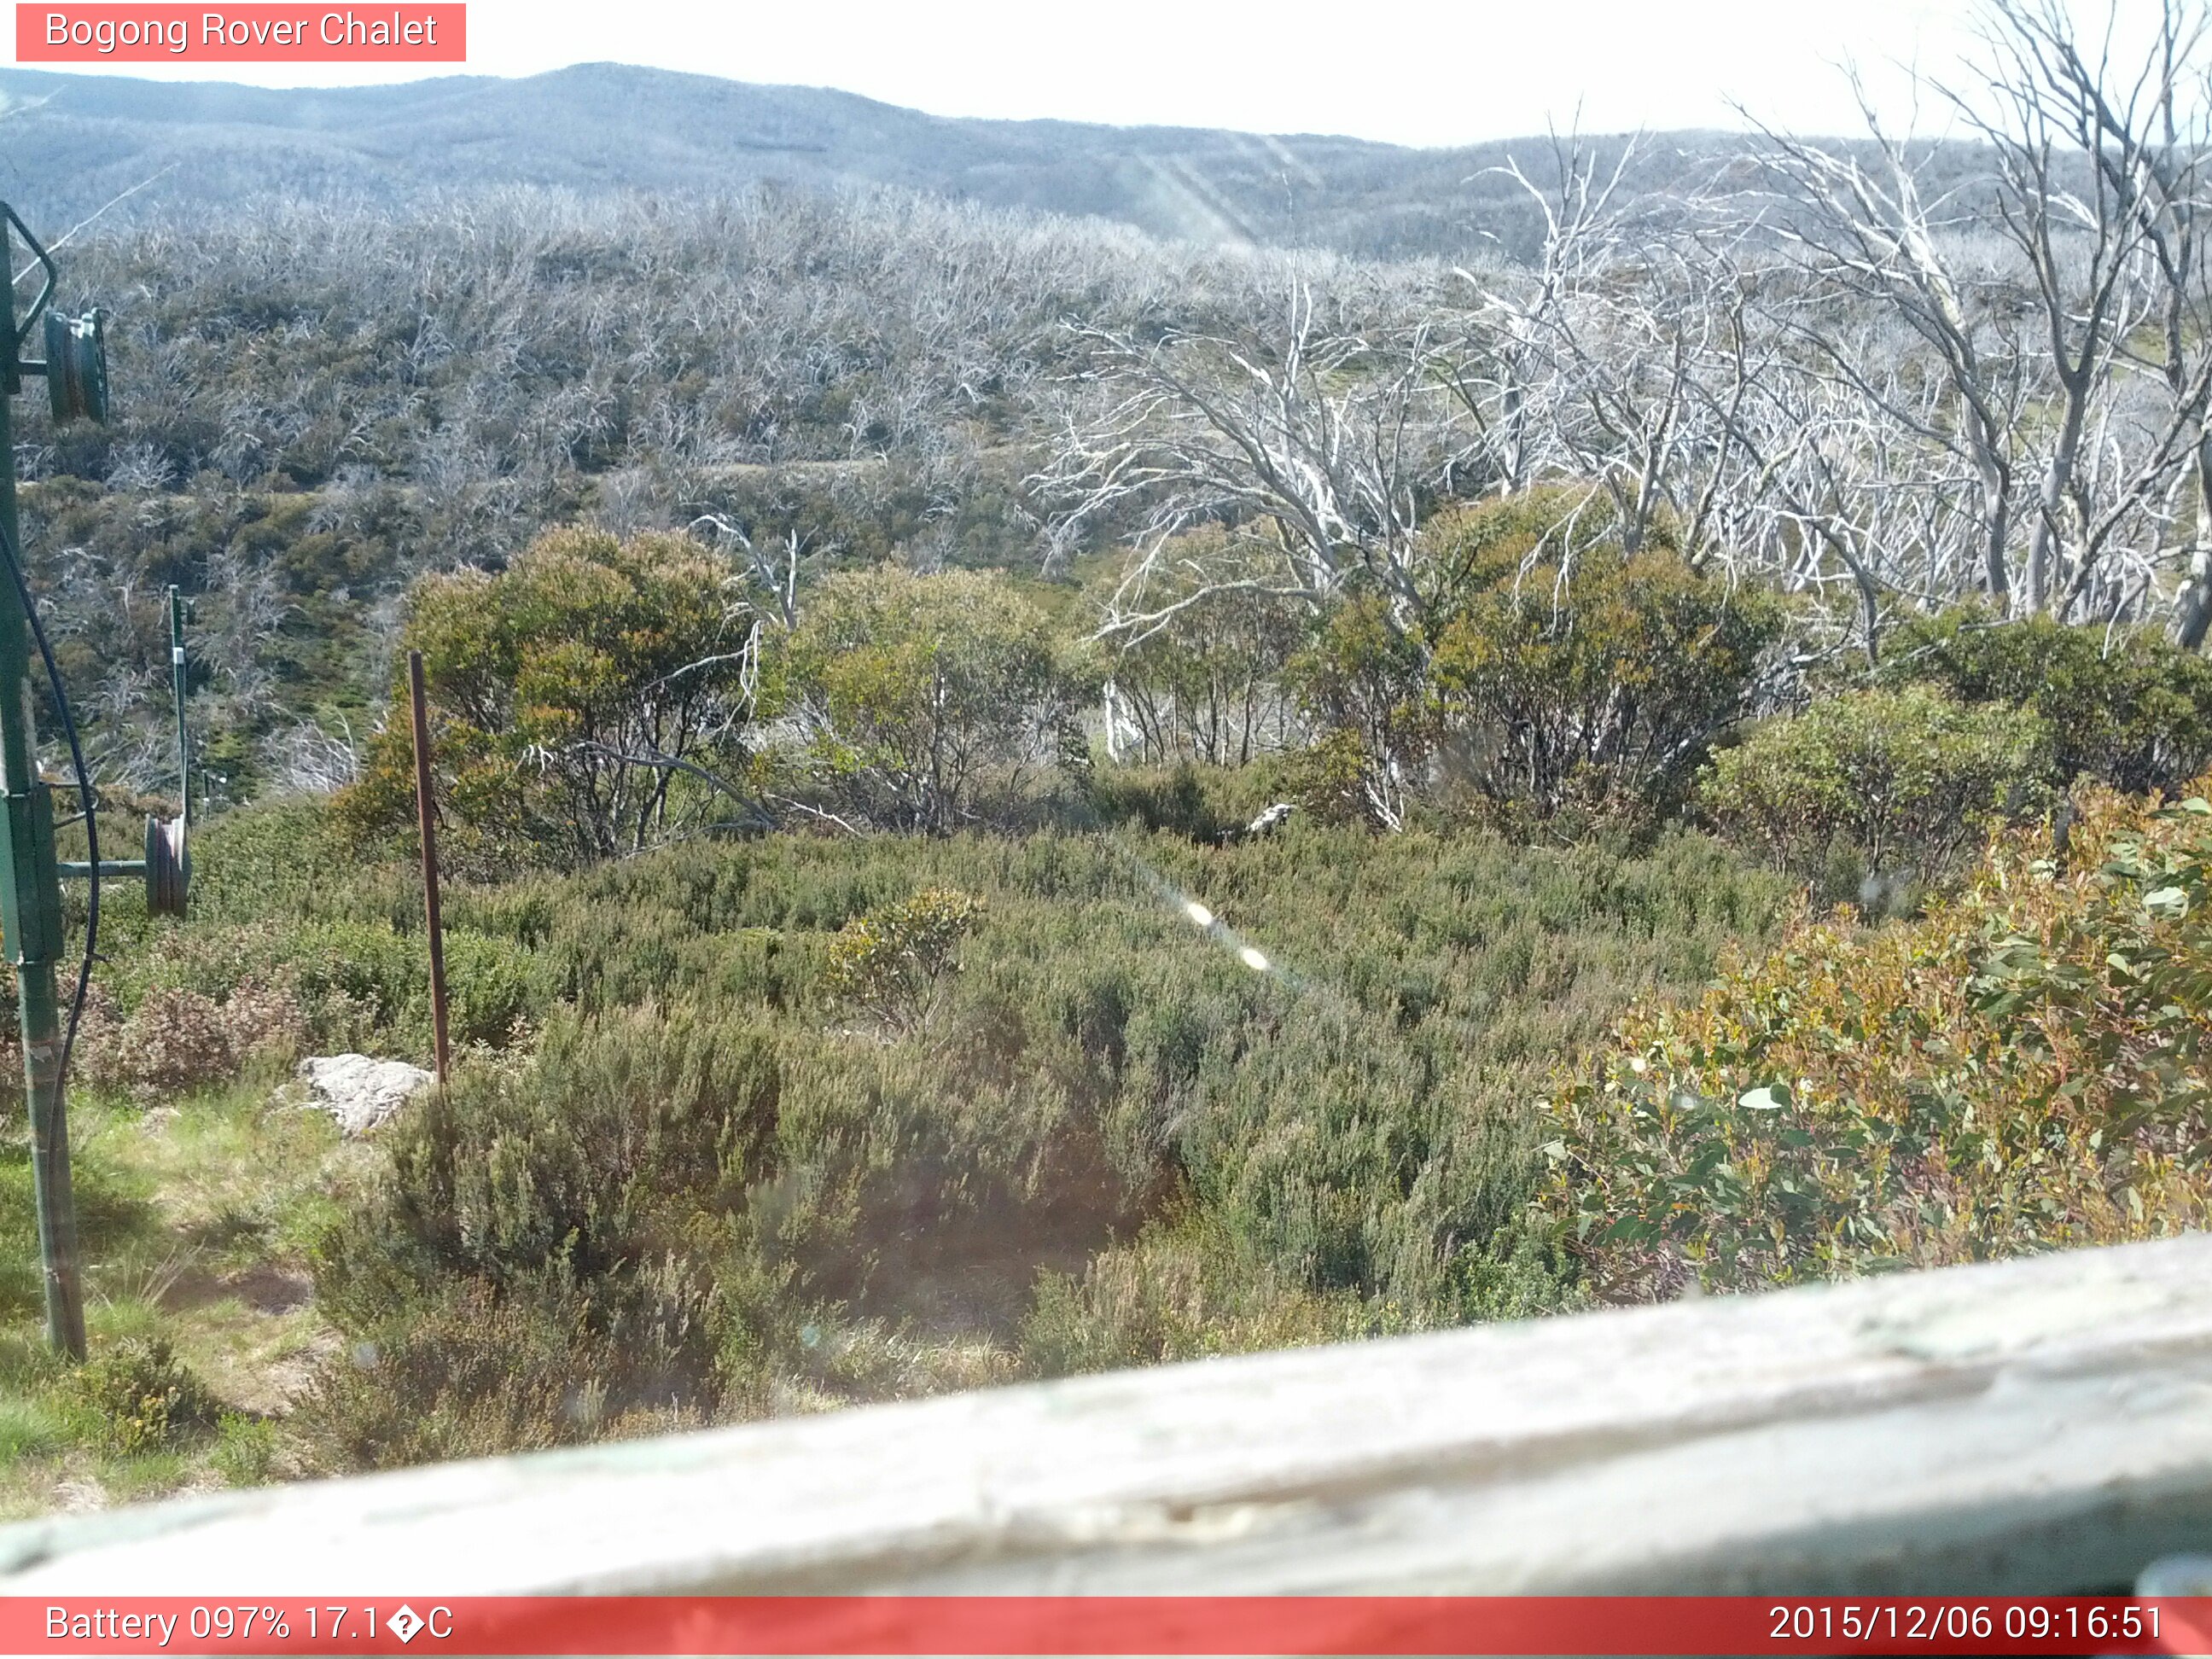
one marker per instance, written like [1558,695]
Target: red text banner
[1087,1626]
[310,33]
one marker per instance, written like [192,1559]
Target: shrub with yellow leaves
[887,964]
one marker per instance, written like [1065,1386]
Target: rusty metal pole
[426,813]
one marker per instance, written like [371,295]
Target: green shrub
[495,988]
[1574,679]
[560,690]
[144,1397]
[887,964]
[356,977]
[282,854]
[246,1450]
[2126,707]
[588,1157]
[937,700]
[177,1041]
[467,1371]
[2020,1070]
[1183,1293]
[1871,787]
[543,1228]
[351,979]
[1364,682]
[1202,803]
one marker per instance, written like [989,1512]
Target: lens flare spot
[1198,913]
[1253,959]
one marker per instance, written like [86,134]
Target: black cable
[84,797]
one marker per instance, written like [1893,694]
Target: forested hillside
[325,403]
[78,141]
[1023,798]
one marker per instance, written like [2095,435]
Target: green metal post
[177,690]
[31,906]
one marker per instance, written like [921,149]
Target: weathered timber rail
[2031,1427]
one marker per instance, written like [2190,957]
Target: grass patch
[193,1222]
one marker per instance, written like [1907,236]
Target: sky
[1406,71]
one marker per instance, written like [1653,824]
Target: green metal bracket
[32,926]
[11,362]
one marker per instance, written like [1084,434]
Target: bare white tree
[1318,440]
[2059,303]
[2088,188]
[1625,362]
[773,568]
[1868,237]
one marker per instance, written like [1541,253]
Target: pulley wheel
[77,367]
[168,867]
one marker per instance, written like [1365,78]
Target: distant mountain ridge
[70,143]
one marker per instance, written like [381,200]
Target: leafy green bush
[1364,681]
[887,964]
[1201,802]
[2112,995]
[2020,1070]
[1865,788]
[334,945]
[247,1451]
[936,699]
[288,856]
[1599,687]
[556,1209]
[470,1372]
[144,1398]
[584,701]
[496,986]
[611,1135]
[325,983]
[2127,707]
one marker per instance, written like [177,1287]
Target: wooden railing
[2037,1426]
